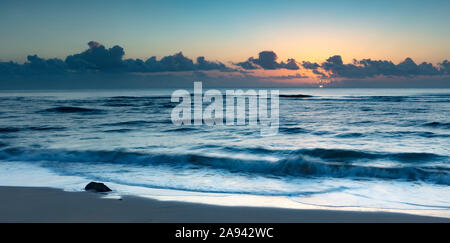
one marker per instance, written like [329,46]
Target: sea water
[340,148]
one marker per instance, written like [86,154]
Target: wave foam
[301,163]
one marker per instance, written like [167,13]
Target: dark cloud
[366,68]
[173,63]
[203,64]
[45,65]
[409,67]
[310,65]
[97,57]
[321,74]
[34,66]
[248,65]
[10,68]
[398,82]
[97,65]
[177,62]
[296,76]
[291,64]
[268,60]
[373,67]
[445,67]
[337,68]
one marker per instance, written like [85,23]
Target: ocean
[336,148]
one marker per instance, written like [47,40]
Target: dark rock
[69,109]
[97,187]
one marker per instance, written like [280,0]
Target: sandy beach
[26,204]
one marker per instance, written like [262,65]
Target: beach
[344,155]
[47,205]
[225,112]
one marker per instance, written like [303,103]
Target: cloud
[96,65]
[34,66]
[268,60]
[248,65]
[367,68]
[177,62]
[296,76]
[397,82]
[38,64]
[445,67]
[97,57]
[321,74]
[315,69]
[337,68]
[173,63]
[291,64]
[9,68]
[310,65]
[203,64]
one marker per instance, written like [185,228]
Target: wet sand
[25,204]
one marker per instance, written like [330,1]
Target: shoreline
[49,205]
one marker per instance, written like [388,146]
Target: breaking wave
[300,163]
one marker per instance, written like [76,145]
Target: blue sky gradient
[229,30]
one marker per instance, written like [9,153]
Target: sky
[231,31]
